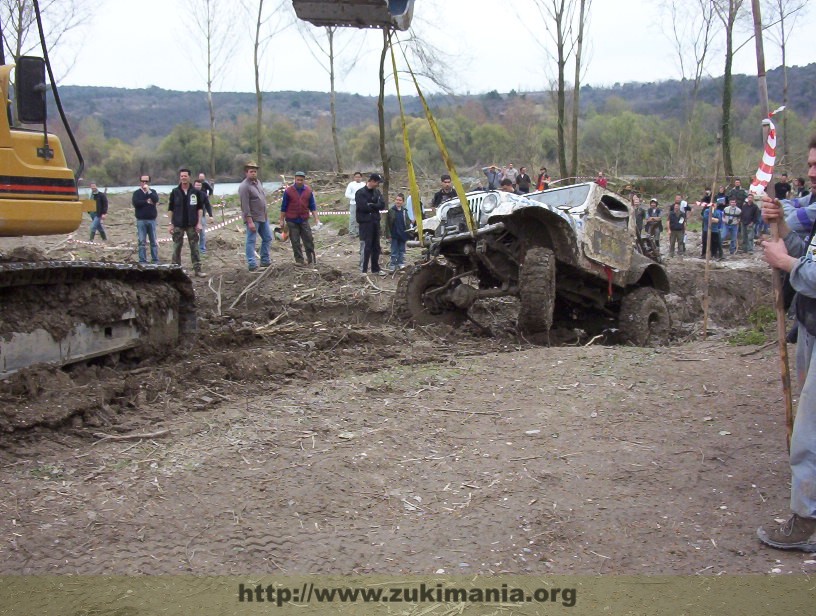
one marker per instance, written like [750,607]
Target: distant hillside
[126,114]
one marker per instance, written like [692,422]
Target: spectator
[706,198]
[186,205]
[640,213]
[654,221]
[737,193]
[716,215]
[543,181]
[99,214]
[782,188]
[510,173]
[507,186]
[677,227]
[601,179]
[397,225]
[800,189]
[298,202]
[790,255]
[207,187]
[252,197]
[351,190]
[732,220]
[446,193]
[748,220]
[369,205]
[721,196]
[206,213]
[145,201]
[523,181]
[493,175]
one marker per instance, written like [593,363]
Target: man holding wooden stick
[791,254]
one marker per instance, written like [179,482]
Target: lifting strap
[416,202]
[457,183]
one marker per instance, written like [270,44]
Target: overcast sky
[488,45]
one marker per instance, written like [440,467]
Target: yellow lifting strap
[457,183]
[416,203]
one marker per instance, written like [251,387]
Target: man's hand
[250,225]
[776,255]
[170,226]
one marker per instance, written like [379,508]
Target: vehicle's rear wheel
[644,318]
[537,291]
[416,300]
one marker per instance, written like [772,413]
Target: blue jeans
[202,237]
[748,238]
[96,225]
[262,229]
[802,449]
[147,229]
[397,254]
[731,232]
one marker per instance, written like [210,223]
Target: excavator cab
[356,13]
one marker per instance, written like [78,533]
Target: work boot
[311,257]
[797,533]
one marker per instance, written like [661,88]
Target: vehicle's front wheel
[417,299]
[537,291]
[644,318]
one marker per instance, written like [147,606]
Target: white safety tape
[162,240]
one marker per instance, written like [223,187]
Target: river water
[222,189]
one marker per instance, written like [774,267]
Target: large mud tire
[537,291]
[412,302]
[644,319]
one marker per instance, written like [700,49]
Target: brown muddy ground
[305,430]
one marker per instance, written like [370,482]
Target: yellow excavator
[59,312]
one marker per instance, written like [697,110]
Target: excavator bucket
[356,13]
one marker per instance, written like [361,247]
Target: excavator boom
[356,13]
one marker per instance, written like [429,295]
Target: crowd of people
[733,215]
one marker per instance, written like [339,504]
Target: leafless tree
[556,16]
[270,19]
[583,21]
[729,12]
[327,54]
[565,22]
[781,16]
[386,162]
[60,19]
[215,21]
[693,27]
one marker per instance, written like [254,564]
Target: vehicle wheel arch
[538,227]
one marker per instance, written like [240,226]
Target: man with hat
[654,221]
[298,202]
[370,203]
[253,209]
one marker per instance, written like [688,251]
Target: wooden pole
[711,207]
[776,275]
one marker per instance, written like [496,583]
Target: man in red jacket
[298,203]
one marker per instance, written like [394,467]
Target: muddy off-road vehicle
[570,254]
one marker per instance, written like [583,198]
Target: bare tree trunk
[729,18]
[258,93]
[561,95]
[330,33]
[577,86]
[381,115]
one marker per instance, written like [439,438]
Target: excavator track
[61,312]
